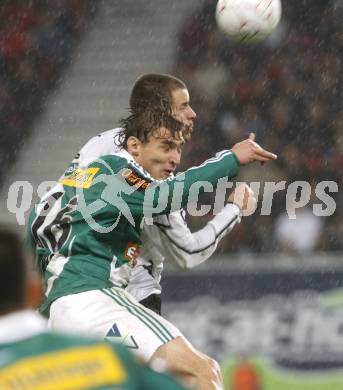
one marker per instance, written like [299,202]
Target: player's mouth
[191,127]
[168,172]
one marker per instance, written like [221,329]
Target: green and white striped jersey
[31,358]
[86,230]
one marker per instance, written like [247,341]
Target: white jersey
[166,236]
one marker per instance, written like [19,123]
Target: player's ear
[133,146]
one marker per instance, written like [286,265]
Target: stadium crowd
[288,90]
[36,43]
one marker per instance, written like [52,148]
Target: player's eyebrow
[173,142]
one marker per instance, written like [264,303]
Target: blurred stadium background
[272,292]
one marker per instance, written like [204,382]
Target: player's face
[181,109]
[161,155]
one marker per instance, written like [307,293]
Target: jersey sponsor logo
[114,331]
[70,169]
[133,179]
[130,342]
[80,178]
[131,253]
[127,339]
[72,369]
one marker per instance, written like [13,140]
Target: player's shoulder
[105,143]
[112,163]
[112,133]
[123,162]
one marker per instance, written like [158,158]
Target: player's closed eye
[165,147]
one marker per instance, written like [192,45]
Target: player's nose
[175,158]
[192,114]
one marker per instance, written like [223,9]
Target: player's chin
[165,174]
[187,133]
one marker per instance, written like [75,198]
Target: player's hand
[244,197]
[248,151]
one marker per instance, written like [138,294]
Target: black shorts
[153,302]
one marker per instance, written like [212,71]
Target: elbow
[185,264]
[186,267]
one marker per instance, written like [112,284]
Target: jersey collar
[126,155]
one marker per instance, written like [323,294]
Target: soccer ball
[248,20]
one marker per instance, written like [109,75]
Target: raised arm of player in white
[174,240]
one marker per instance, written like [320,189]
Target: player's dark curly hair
[150,107]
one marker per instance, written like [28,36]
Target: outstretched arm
[177,243]
[174,240]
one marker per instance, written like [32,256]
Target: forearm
[174,240]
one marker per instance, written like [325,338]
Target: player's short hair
[151,107]
[13,271]
[154,90]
